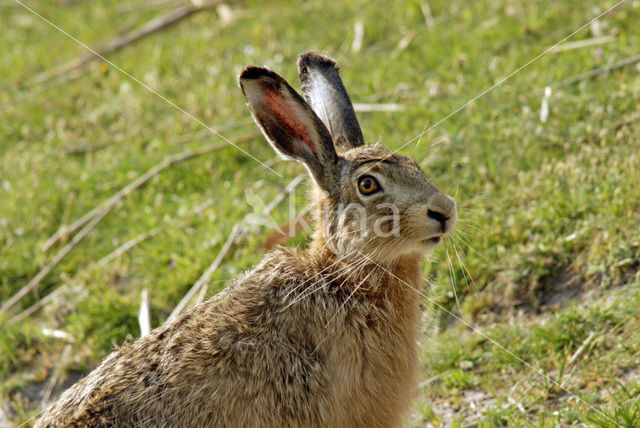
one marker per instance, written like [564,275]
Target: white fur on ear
[324,91]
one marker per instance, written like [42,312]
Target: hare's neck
[407,271]
[403,282]
[400,279]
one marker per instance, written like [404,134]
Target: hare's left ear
[289,123]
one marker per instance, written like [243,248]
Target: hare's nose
[439,217]
[442,209]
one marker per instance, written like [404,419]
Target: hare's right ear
[323,89]
[289,123]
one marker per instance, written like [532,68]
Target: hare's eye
[368,185]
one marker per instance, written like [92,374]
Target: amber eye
[368,185]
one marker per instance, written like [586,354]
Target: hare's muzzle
[442,210]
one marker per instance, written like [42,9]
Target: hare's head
[370,200]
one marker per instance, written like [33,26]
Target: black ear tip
[254,72]
[315,60]
[262,75]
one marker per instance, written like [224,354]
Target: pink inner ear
[277,105]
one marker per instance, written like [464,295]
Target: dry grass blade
[428,16]
[151,4]
[168,161]
[127,246]
[38,305]
[202,294]
[597,72]
[280,196]
[120,42]
[576,355]
[363,107]
[286,231]
[206,276]
[358,35]
[51,384]
[144,318]
[92,218]
[579,44]
[35,281]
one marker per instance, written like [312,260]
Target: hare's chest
[374,371]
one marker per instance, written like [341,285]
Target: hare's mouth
[432,241]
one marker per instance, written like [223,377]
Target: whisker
[469,227]
[465,270]
[349,297]
[470,247]
[463,232]
[321,279]
[335,262]
[451,278]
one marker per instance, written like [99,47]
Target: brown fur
[249,357]
[315,338]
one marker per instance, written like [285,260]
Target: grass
[587,351]
[547,250]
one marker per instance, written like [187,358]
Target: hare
[324,337]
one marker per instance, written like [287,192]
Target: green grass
[547,250]
[604,373]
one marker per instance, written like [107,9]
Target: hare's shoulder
[252,303]
[289,277]
[281,267]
